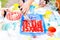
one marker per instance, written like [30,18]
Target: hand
[25,7]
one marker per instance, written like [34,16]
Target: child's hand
[25,7]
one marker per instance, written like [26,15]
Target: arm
[25,7]
[20,2]
[30,1]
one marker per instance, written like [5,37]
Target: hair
[47,1]
[5,13]
[23,0]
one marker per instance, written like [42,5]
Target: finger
[23,10]
[27,11]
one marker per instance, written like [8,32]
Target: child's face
[42,3]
